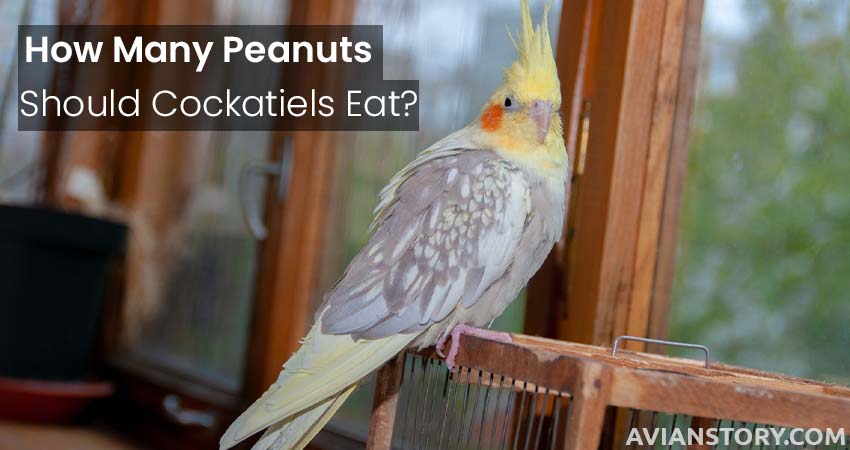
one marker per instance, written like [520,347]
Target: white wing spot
[464,186]
[375,248]
[452,258]
[435,213]
[448,218]
[452,175]
[488,184]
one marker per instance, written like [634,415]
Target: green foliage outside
[763,273]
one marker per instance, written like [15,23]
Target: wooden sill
[25,436]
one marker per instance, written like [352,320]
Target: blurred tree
[763,272]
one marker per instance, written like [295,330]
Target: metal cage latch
[668,343]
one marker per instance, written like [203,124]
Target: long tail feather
[297,432]
[312,386]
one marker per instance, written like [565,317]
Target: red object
[48,401]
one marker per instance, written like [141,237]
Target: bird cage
[538,393]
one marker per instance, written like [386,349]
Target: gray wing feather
[446,232]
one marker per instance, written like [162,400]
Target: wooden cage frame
[596,381]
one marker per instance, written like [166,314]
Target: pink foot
[457,331]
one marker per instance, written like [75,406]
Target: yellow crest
[534,75]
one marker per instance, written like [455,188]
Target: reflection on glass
[189,302]
[457,51]
[763,272]
[193,262]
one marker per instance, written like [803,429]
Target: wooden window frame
[629,70]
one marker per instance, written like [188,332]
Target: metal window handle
[250,207]
[659,341]
[189,417]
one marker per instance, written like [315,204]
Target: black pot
[53,270]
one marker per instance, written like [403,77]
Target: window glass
[19,150]
[457,51]
[763,270]
[192,261]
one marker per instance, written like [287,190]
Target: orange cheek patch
[491,119]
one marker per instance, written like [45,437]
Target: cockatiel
[457,234]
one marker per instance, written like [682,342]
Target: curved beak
[541,113]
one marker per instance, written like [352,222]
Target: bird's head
[523,114]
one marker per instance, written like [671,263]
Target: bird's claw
[439,347]
[459,330]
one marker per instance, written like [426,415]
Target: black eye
[509,102]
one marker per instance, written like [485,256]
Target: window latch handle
[190,417]
[250,207]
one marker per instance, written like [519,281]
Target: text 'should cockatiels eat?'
[457,234]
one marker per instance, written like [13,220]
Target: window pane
[192,261]
[763,272]
[457,50]
[191,276]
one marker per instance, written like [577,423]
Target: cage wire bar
[538,393]
[474,409]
